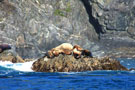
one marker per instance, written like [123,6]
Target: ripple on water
[91,80]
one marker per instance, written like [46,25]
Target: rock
[116,21]
[118,52]
[132,69]
[28,60]
[35,26]
[8,56]
[1,0]
[67,63]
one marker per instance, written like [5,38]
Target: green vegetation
[63,12]
[68,9]
[59,12]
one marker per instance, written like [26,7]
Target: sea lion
[77,51]
[78,47]
[65,48]
[4,47]
[87,53]
[49,54]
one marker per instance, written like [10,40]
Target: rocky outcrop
[115,25]
[8,56]
[113,15]
[35,26]
[68,63]
[122,52]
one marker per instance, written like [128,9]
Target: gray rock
[35,26]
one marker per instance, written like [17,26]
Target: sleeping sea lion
[4,47]
[65,48]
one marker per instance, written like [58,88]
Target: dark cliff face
[116,18]
[34,26]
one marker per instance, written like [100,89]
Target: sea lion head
[78,47]
[56,52]
[87,53]
[50,54]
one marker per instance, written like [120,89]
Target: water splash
[26,67]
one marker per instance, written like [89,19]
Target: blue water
[11,79]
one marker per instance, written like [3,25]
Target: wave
[25,67]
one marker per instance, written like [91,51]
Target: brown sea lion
[77,50]
[76,53]
[87,53]
[4,47]
[65,48]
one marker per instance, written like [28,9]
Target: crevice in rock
[92,20]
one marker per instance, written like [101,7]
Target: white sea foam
[26,67]
[132,71]
[129,58]
[128,64]
[121,61]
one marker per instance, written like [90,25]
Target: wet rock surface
[68,63]
[9,56]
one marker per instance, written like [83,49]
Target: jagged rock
[118,52]
[35,26]
[117,22]
[132,69]
[114,15]
[68,63]
[8,56]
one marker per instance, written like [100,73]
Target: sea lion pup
[65,48]
[87,53]
[77,51]
[4,47]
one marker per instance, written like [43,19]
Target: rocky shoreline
[69,64]
[105,27]
[66,63]
[14,58]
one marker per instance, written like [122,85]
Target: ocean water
[20,77]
